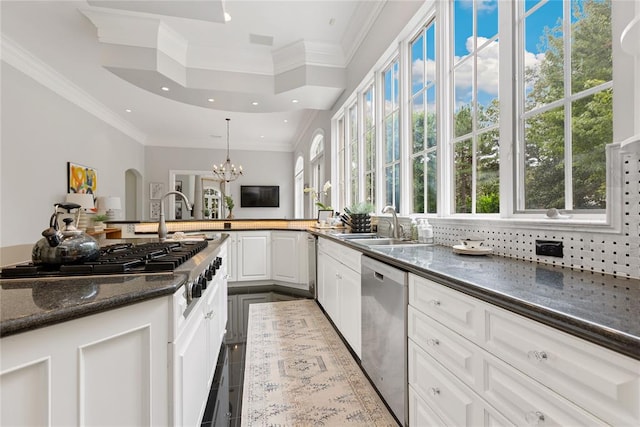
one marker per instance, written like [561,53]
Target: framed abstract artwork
[81,179]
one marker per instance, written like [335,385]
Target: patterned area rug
[299,373]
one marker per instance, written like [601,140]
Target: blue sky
[546,15]
[539,14]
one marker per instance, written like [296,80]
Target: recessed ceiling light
[211,100]
[128,110]
[286,121]
[254,103]
[261,136]
[227,17]
[295,101]
[164,88]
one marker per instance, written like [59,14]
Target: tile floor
[236,355]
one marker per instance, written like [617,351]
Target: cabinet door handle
[209,315]
[538,356]
[534,418]
[433,341]
[435,391]
[435,302]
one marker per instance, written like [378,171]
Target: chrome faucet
[162,225]
[395,229]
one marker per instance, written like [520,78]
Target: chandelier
[227,171]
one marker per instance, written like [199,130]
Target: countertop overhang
[27,304]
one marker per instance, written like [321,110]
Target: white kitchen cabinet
[279,256]
[106,369]
[289,256]
[421,413]
[453,402]
[328,278]
[191,370]
[339,289]
[249,256]
[528,372]
[196,348]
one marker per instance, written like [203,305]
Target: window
[520,90]
[565,104]
[340,171]
[354,158]
[316,154]
[369,138]
[298,189]
[390,89]
[475,78]
[424,122]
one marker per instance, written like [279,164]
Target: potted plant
[228,200]
[98,221]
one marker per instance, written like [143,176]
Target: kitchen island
[144,343]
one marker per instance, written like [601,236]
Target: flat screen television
[259,196]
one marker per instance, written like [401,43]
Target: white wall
[41,132]
[260,168]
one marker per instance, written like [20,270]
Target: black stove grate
[120,258]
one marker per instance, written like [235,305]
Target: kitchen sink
[383,241]
[355,236]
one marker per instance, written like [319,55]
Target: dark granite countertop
[27,304]
[600,308]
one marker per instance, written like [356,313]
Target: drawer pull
[435,391]
[433,341]
[538,356]
[435,302]
[209,315]
[534,418]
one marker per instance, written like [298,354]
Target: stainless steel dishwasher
[384,333]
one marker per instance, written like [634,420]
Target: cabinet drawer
[347,256]
[602,381]
[525,402]
[420,414]
[453,309]
[457,354]
[450,399]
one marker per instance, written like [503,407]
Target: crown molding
[21,59]
[306,52]
[364,18]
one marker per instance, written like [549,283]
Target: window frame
[441,12]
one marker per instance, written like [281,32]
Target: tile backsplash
[612,253]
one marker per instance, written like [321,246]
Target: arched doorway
[132,195]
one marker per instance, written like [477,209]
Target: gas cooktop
[120,258]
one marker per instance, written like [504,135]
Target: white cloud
[488,69]
[417,70]
[487,6]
